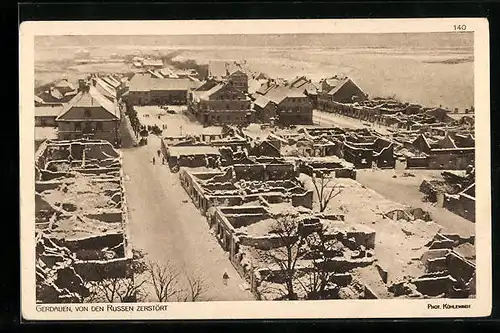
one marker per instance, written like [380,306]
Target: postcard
[255,169]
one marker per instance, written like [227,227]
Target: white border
[392,308]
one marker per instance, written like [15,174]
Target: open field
[442,67]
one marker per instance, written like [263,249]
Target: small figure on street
[158,152]
[154,160]
[225,278]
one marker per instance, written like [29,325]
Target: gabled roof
[71,93]
[340,84]
[105,89]
[335,80]
[54,92]
[142,82]
[92,98]
[262,101]
[155,74]
[139,82]
[38,99]
[171,84]
[64,84]
[111,81]
[298,82]
[278,94]
[205,94]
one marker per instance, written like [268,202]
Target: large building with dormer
[216,103]
[89,115]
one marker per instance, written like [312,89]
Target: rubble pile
[56,279]
[80,218]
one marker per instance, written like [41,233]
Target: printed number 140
[460,27]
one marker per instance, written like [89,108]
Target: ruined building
[80,219]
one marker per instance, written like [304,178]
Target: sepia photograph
[209,167]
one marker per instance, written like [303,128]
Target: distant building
[146,90]
[220,103]
[64,86]
[53,96]
[232,72]
[174,73]
[89,115]
[269,85]
[339,89]
[152,63]
[451,152]
[265,109]
[305,85]
[289,106]
[104,89]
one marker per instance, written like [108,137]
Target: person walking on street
[225,277]
[158,152]
[153,160]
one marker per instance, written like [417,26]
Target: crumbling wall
[97,270]
[250,172]
[461,205]
[110,241]
[362,238]
[459,268]
[243,220]
[261,242]
[417,162]
[281,171]
[304,200]
[46,175]
[434,286]
[361,158]
[451,161]
[100,151]
[342,265]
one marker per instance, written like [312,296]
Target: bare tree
[196,288]
[165,281]
[168,285]
[320,250]
[290,250]
[117,290]
[324,194]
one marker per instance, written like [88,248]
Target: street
[167,226]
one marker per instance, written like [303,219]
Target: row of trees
[166,282]
[134,119]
